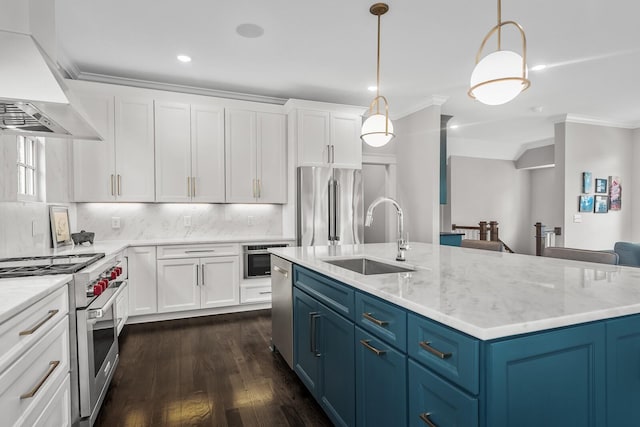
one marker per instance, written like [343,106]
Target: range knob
[97,289]
[113,274]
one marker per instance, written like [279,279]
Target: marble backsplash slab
[167,220]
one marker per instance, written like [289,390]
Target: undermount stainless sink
[368,266]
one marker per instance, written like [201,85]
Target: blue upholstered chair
[628,253]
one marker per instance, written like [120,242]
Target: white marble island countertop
[485,294]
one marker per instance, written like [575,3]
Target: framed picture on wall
[601,204]
[615,193]
[586,182]
[601,186]
[586,203]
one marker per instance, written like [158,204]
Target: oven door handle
[93,314]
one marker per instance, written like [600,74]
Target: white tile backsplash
[166,220]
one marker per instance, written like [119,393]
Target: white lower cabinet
[58,411]
[142,288]
[194,283]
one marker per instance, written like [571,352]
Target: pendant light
[500,76]
[377,129]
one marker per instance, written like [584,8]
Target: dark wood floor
[208,371]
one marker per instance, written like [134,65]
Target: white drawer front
[197,251]
[27,385]
[57,412]
[23,330]
[255,294]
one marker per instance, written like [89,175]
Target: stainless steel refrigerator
[330,206]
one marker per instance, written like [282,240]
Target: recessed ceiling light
[537,109]
[372,88]
[538,67]
[184,58]
[250,31]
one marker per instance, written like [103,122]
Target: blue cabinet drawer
[433,400]
[381,383]
[449,353]
[331,293]
[382,319]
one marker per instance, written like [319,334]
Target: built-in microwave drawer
[22,330]
[29,383]
[197,251]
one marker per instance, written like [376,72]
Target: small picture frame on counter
[60,228]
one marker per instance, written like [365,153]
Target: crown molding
[66,65]
[147,84]
[434,100]
[595,121]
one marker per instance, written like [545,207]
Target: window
[27,167]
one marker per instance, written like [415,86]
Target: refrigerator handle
[336,210]
[330,212]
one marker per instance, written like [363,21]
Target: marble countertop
[19,293]
[486,294]
[113,246]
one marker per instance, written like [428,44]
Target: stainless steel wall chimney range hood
[33,99]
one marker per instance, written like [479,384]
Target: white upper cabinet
[135,181]
[207,153]
[173,152]
[326,134]
[189,153]
[255,147]
[120,168]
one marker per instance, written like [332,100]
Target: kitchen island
[468,338]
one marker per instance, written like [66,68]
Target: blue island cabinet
[324,356]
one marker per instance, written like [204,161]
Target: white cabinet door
[207,154]
[240,150]
[313,138]
[272,158]
[178,285]
[173,152]
[221,281]
[94,162]
[345,138]
[135,164]
[142,284]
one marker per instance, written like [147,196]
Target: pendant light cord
[378,70]
[499,26]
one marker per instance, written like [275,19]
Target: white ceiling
[326,52]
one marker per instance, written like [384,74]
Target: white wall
[493,190]
[418,161]
[635,203]
[544,209]
[603,151]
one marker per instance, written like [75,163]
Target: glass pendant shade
[374,131]
[497,78]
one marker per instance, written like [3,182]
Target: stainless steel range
[97,282]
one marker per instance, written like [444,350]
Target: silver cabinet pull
[427,346]
[333,153]
[37,326]
[369,317]
[52,367]
[197,275]
[193,251]
[193,186]
[259,188]
[372,348]
[188,186]
[312,333]
[119,185]
[281,270]
[336,210]
[265,292]
[425,417]
[328,153]
[202,274]
[112,185]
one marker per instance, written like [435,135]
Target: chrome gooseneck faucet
[402,242]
